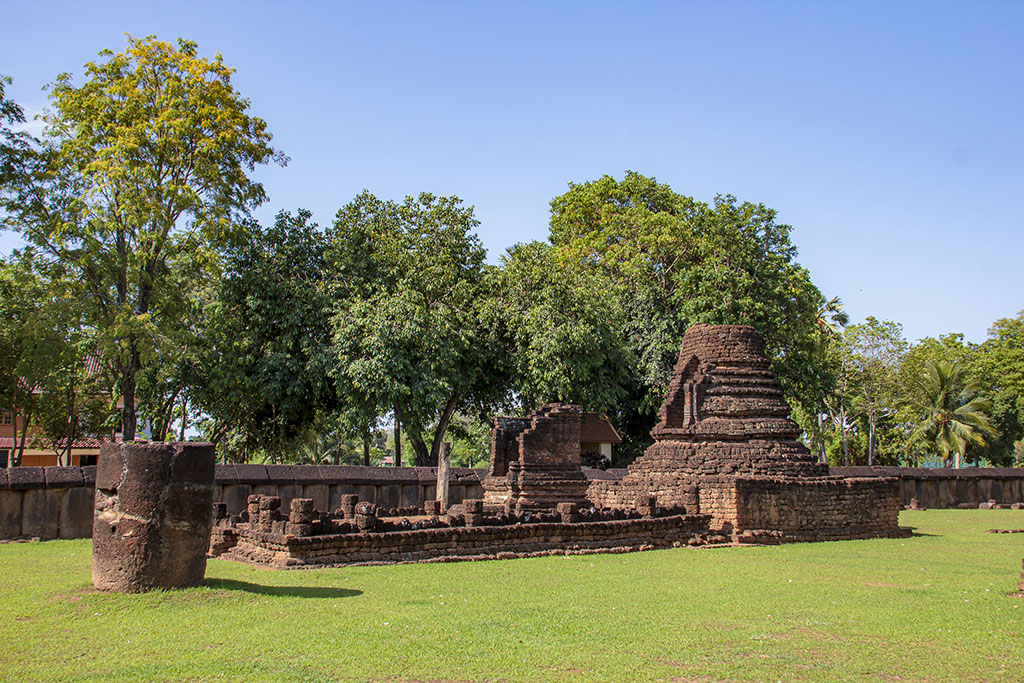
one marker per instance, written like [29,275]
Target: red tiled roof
[597,429]
[7,442]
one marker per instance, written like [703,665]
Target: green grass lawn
[934,607]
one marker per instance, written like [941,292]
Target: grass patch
[934,607]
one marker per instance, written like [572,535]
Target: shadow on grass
[286,591]
[914,533]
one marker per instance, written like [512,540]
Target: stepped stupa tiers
[725,446]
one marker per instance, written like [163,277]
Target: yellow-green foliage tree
[144,162]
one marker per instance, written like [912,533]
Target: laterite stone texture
[725,446]
[152,515]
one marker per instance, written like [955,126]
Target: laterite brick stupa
[726,446]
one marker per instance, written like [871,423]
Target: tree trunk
[958,460]
[366,450]
[14,459]
[421,455]
[846,443]
[398,440]
[24,434]
[184,418]
[822,457]
[872,427]
[128,370]
[442,427]
[70,434]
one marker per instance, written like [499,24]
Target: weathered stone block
[22,478]
[236,496]
[62,477]
[320,494]
[10,513]
[152,518]
[75,516]
[39,514]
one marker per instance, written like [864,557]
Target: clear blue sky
[889,134]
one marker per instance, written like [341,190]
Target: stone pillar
[366,516]
[252,510]
[443,467]
[348,505]
[300,517]
[474,512]
[152,515]
[270,512]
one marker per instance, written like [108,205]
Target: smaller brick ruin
[151,519]
[535,461]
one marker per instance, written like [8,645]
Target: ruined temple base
[457,544]
[772,510]
[534,491]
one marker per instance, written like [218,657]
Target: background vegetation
[144,281]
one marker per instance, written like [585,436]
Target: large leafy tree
[565,331]
[17,147]
[675,261]
[261,373]
[411,334]
[952,417]
[148,159]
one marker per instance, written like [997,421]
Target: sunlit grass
[934,607]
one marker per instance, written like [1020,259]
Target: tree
[830,321]
[17,148]
[998,365]
[565,327]
[49,370]
[951,415]
[673,262]
[262,371]
[874,350]
[410,330]
[146,161]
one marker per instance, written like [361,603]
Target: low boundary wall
[946,487]
[57,502]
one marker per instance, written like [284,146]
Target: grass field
[934,607]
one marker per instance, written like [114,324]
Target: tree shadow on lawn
[285,591]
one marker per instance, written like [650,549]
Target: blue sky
[888,134]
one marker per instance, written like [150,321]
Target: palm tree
[831,318]
[952,415]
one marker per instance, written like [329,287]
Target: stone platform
[360,534]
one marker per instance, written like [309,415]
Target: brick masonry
[461,543]
[725,446]
[535,461]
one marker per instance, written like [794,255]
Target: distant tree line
[146,283]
